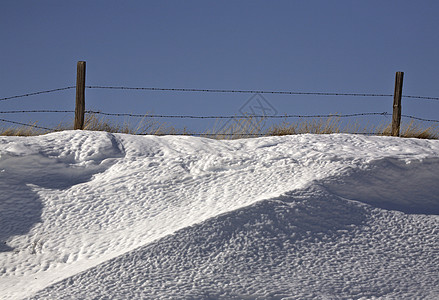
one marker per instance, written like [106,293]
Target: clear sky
[306,46]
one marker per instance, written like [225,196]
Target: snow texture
[93,215]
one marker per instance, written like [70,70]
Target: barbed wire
[197,117]
[218,117]
[237,91]
[36,111]
[28,125]
[219,134]
[38,93]
[236,117]
[419,119]
[255,92]
[421,97]
[219,91]
[209,117]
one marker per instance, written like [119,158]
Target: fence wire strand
[236,117]
[255,92]
[237,91]
[219,91]
[218,117]
[237,135]
[421,97]
[38,93]
[197,117]
[27,125]
[419,119]
[36,111]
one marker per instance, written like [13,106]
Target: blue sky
[306,46]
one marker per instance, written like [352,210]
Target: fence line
[220,91]
[202,117]
[239,91]
[420,119]
[28,125]
[189,134]
[197,117]
[38,93]
[421,97]
[36,111]
[218,117]
[257,92]
[81,87]
[237,117]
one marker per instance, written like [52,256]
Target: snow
[88,215]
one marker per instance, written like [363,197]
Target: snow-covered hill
[93,215]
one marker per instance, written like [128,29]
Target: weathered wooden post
[396,117]
[80,95]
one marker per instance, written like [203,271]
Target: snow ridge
[86,213]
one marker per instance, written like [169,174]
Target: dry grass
[236,128]
[412,130]
[146,126]
[316,126]
[334,125]
[93,123]
[415,130]
[29,130]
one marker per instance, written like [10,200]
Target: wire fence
[286,116]
[218,117]
[37,93]
[219,91]
[27,125]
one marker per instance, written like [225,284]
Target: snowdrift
[98,215]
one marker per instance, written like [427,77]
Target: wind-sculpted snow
[32,163]
[307,244]
[120,216]
[410,187]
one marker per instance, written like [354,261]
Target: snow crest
[94,214]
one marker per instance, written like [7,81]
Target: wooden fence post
[80,95]
[396,117]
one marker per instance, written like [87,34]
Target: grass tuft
[237,128]
[29,130]
[316,126]
[412,130]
